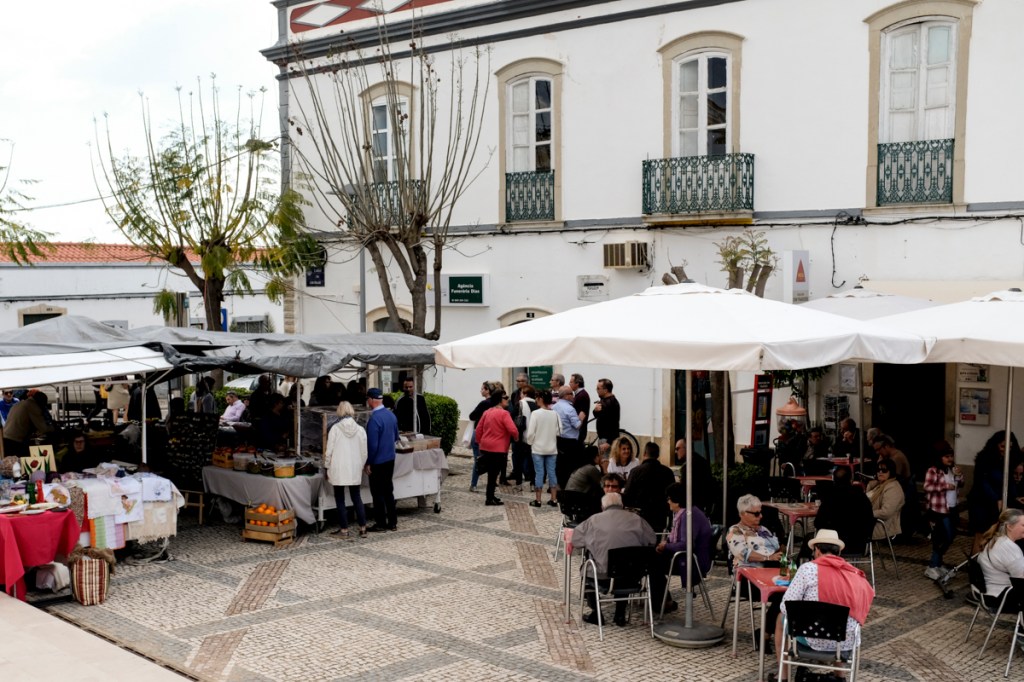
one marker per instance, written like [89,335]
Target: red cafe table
[33,540]
[763,580]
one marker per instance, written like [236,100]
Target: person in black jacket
[407,421]
[846,509]
[646,486]
[607,413]
[705,490]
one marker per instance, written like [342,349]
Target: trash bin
[758,456]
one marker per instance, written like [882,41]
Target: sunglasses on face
[755,513]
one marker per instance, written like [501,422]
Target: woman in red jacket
[494,432]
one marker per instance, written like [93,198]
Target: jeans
[357,502]
[942,537]
[544,464]
[476,463]
[382,488]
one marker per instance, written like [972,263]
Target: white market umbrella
[686,326]
[987,330]
[866,304]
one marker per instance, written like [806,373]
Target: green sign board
[466,289]
[540,377]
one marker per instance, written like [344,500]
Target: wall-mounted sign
[461,290]
[975,406]
[315,276]
[972,374]
[540,377]
[592,287]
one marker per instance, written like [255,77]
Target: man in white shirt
[233,412]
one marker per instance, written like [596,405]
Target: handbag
[467,436]
[89,580]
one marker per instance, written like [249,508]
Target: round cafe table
[33,540]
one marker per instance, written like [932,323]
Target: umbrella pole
[860,415]
[1006,447]
[725,449]
[689,636]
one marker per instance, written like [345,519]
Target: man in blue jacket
[381,434]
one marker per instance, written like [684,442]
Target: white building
[115,284]
[868,139]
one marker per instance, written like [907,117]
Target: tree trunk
[385,285]
[762,280]
[736,278]
[754,274]
[721,428]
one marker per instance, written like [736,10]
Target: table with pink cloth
[763,579]
[35,540]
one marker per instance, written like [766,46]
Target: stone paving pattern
[472,593]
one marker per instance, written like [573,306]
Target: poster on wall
[972,374]
[975,406]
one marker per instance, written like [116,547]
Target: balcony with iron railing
[699,184]
[395,200]
[529,197]
[915,172]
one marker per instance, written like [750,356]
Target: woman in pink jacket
[494,432]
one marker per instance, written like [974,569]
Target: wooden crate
[280,534]
[224,460]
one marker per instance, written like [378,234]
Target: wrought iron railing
[395,202]
[915,172]
[529,196]
[699,184]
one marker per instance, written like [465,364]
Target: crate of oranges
[267,523]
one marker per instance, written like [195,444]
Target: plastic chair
[1016,601]
[628,580]
[817,620]
[576,508]
[993,605]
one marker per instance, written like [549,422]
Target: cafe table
[33,540]
[794,512]
[763,580]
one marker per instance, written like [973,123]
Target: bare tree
[206,190]
[17,239]
[386,144]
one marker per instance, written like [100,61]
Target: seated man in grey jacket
[614,527]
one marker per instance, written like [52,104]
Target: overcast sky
[67,62]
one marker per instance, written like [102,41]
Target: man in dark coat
[407,421]
[646,486]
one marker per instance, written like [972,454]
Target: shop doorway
[909,404]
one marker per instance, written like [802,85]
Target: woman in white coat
[344,461]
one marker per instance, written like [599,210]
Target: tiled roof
[79,252]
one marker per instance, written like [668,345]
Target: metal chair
[1015,601]
[628,580]
[698,584]
[892,552]
[993,605]
[865,556]
[576,508]
[745,595]
[817,620]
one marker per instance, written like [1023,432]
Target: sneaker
[591,618]
[493,502]
[473,489]
[552,503]
[535,503]
[933,573]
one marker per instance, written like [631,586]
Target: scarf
[843,584]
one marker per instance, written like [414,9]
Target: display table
[762,579]
[417,474]
[35,540]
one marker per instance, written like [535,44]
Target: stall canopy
[56,368]
[865,304]
[687,326]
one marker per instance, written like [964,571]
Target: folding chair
[866,555]
[628,581]
[698,584]
[576,508]
[892,552]
[817,620]
[1016,601]
[993,605]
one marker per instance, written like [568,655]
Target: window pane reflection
[716,72]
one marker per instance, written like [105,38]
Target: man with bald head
[568,459]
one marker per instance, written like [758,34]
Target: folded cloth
[130,490]
[154,488]
[104,533]
[160,521]
[102,501]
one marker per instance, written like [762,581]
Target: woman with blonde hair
[344,461]
[1001,557]
[622,460]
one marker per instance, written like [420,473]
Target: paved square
[472,593]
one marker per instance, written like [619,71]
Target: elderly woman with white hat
[829,578]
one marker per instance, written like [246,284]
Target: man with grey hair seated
[612,528]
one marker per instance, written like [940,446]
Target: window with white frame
[918,82]
[387,152]
[701,117]
[530,125]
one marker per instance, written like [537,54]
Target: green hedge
[444,418]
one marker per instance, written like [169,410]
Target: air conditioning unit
[627,255]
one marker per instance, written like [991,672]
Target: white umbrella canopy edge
[861,303]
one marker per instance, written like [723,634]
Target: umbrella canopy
[687,326]
[865,304]
[988,329]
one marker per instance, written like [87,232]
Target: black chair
[576,508]
[817,620]
[993,605]
[628,580]
[1015,601]
[784,489]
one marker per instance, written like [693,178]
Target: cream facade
[881,138]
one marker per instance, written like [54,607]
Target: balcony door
[918,82]
[701,115]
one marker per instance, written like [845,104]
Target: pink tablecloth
[27,541]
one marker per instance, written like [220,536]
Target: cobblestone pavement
[472,593]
